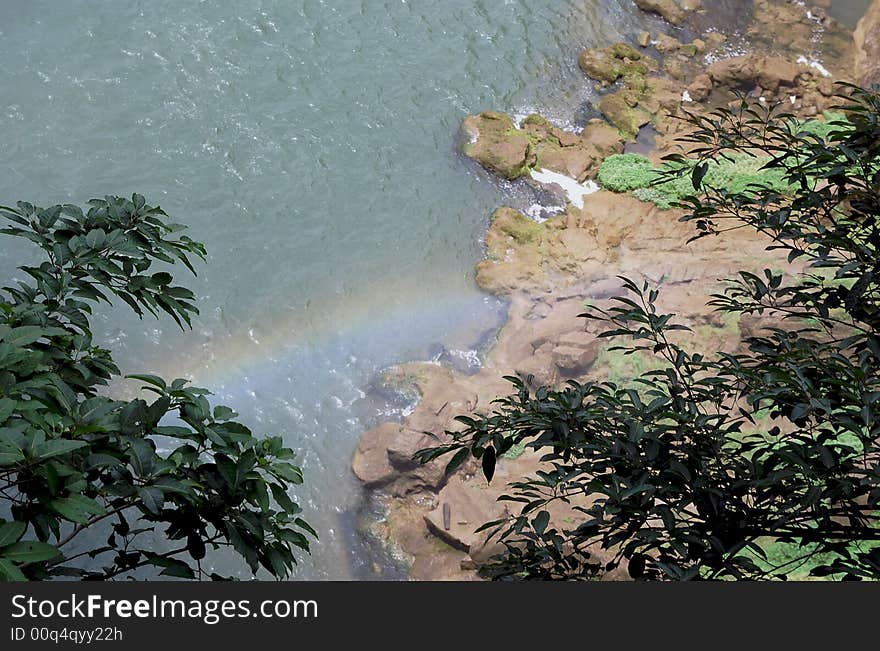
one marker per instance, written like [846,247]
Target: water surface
[310,145]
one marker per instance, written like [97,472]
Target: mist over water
[311,146]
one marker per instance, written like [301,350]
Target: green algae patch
[668,184]
[517,226]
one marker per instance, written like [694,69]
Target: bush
[82,476]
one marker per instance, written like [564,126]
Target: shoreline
[547,269]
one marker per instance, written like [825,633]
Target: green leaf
[77,508]
[305,525]
[540,522]
[455,463]
[287,472]
[8,571]
[30,551]
[56,447]
[152,498]
[10,532]
[153,380]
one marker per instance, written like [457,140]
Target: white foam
[686,97]
[815,65]
[537,211]
[573,190]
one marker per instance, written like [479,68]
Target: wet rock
[603,137]
[559,150]
[668,9]
[496,143]
[667,44]
[370,463]
[700,88]
[607,65]
[644,39]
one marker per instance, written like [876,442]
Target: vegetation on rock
[667,185]
[748,465]
[90,482]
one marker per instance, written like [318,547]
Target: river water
[311,145]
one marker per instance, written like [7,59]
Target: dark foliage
[76,464]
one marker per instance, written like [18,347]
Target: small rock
[644,39]
[700,88]
[575,361]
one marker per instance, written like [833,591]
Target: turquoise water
[311,146]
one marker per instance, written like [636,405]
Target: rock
[370,463]
[603,137]
[575,360]
[644,39]
[668,9]
[496,143]
[463,507]
[700,88]
[620,111]
[769,72]
[559,150]
[611,63]
[867,42]
[667,44]
[404,445]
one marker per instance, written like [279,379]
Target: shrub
[82,474]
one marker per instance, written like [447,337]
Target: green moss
[521,228]
[667,185]
[626,172]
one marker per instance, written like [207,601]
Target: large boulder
[495,141]
[867,40]
[748,70]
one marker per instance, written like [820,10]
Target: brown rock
[468,505]
[768,72]
[700,88]
[496,143]
[667,44]
[574,360]
[370,463]
[609,64]
[605,138]
[668,9]
[644,39]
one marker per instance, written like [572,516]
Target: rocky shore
[548,268]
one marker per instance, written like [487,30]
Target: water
[310,145]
